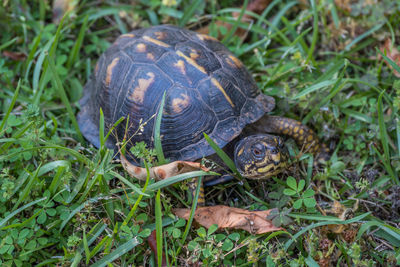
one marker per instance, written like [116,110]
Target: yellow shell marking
[127,35]
[194,54]
[236,61]
[141,47]
[179,104]
[181,66]
[218,85]
[150,56]
[160,35]
[191,62]
[155,41]
[139,91]
[205,37]
[109,70]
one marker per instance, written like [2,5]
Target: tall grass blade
[44,78]
[10,108]
[157,134]
[188,12]
[315,32]
[12,214]
[362,36]
[227,160]
[235,25]
[78,44]
[64,98]
[177,178]
[117,253]
[159,233]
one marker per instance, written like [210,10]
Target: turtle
[207,90]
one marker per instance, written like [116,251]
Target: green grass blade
[398,135]
[86,247]
[315,33]
[24,194]
[132,211]
[177,178]
[8,43]
[82,180]
[188,12]
[315,225]
[191,216]
[12,214]
[126,181]
[335,16]
[384,140]
[382,129]
[227,160]
[78,209]
[314,88]
[117,253]
[390,61]
[113,127]
[29,59]
[64,97]
[157,134]
[78,44]
[10,108]
[362,36]
[235,25]
[337,87]
[159,233]
[101,129]
[44,78]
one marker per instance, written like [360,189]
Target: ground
[332,64]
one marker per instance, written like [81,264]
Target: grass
[64,202]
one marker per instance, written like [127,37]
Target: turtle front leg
[304,136]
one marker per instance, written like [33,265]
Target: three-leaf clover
[295,190]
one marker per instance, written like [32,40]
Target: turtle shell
[207,90]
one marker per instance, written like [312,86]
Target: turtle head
[261,156]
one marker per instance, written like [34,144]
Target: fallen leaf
[18,56]
[255,6]
[254,222]
[153,245]
[163,171]
[392,53]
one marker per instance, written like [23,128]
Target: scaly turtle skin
[208,90]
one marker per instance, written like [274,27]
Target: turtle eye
[258,151]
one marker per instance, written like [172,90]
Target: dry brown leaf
[163,171]
[392,53]
[254,222]
[18,56]
[60,7]
[153,245]
[255,6]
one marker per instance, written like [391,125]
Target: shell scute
[208,90]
